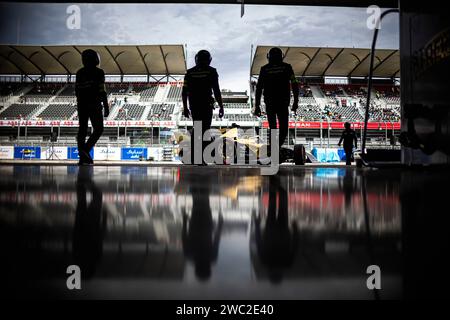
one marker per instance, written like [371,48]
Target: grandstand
[141,110]
[161,111]
[58,111]
[19,111]
[147,93]
[174,93]
[130,112]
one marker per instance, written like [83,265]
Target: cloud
[217,28]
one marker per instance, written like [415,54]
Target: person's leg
[206,125]
[196,116]
[348,157]
[283,122]
[96,117]
[272,120]
[83,119]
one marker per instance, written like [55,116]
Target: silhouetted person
[348,136]
[91,100]
[90,224]
[275,81]
[277,244]
[200,238]
[200,82]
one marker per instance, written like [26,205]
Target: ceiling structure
[115,59]
[333,62]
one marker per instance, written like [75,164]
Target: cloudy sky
[218,28]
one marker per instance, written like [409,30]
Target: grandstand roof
[336,62]
[115,59]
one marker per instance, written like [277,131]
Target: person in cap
[276,79]
[92,103]
[201,83]
[348,136]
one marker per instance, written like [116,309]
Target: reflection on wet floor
[195,232]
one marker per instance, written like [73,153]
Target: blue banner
[134,153]
[326,155]
[72,153]
[27,152]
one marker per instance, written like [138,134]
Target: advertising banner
[107,153]
[6,152]
[72,153]
[54,153]
[134,153]
[27,152]
[339,125]
[155,153]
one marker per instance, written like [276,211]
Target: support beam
[396,72]
[310,62]
[332,61]
[56,59]
[358,65]
[164,59]
[384,60]
[143,60]
[14,64]
[28,59]
[115,60]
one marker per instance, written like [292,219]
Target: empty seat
[147,93]
[174,94]
[130,112]
[16,111]
[161,111]
[58,112]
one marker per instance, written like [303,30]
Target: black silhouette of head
[347,125]
[275,55]
[90,58]
[203,58]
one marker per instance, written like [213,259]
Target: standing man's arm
[295,89]
[258,93]
[184,96]
[103,94]
[218,94]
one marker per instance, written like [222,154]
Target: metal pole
[126,122]
[393,133]
[295,130]
[250,77]
[328,143]
[321,133]
[361,135]
[369,84]
[386,130]
[288,134]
